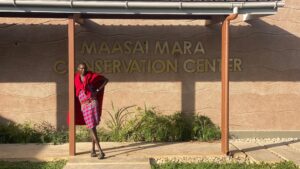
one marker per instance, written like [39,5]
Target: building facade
[173,65]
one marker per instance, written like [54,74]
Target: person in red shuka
[89,88]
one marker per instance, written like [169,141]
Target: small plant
[117,122]
[204,129]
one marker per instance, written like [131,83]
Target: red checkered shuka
[89,109]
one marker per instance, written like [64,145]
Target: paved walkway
[138,155]
[269,150]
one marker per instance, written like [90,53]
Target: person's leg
[95,139]
[93,151]
[93,145]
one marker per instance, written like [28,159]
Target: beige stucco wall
[264,95]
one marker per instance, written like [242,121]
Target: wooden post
[71,51]
[225,85]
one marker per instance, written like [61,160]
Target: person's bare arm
[105,81]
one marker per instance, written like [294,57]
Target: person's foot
[101,155]
[93,154]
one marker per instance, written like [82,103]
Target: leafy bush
[17,133]
[124,125]
[103,134]
[181,127]
[59,164]
[49,134]
[151,126]
[31,133]
[205,165]
[83,134]
[204,129]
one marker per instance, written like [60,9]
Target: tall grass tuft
[204,129]
[117,121]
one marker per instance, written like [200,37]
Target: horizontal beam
[140,4]
[135,11]
[137,7]
[102,16]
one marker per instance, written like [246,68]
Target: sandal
[93,154]
[101,155]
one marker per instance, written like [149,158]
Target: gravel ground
[236,158]
[267,140]
[192,159]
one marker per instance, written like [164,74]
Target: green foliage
[124,124]
[33,165]
[204,165]
[103,134]
[82,134]
[31,133]
[116,123]
[17,133]
[204,129]
[49,134]
[151,126]
[181,127]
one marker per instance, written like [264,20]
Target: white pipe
[274,4]
[43,3]
[207,5]
[235,10]
[172,5]
[142,4]
[100,4]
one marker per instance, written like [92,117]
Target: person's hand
[100,88]
[94,95]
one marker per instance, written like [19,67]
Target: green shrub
[103,134]
[83,134]
[148,126]
[204,129]
[19,133]
[49,134]
[154,127]
[59,164]
[32,133]
[181,127]
[210,165]
[123,125]
[59,137]
[151,126]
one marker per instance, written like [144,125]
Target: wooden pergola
[224,79]
[76,11]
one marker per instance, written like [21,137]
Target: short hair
[82,63]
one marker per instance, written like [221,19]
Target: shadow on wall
[29,54]
[4,120]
